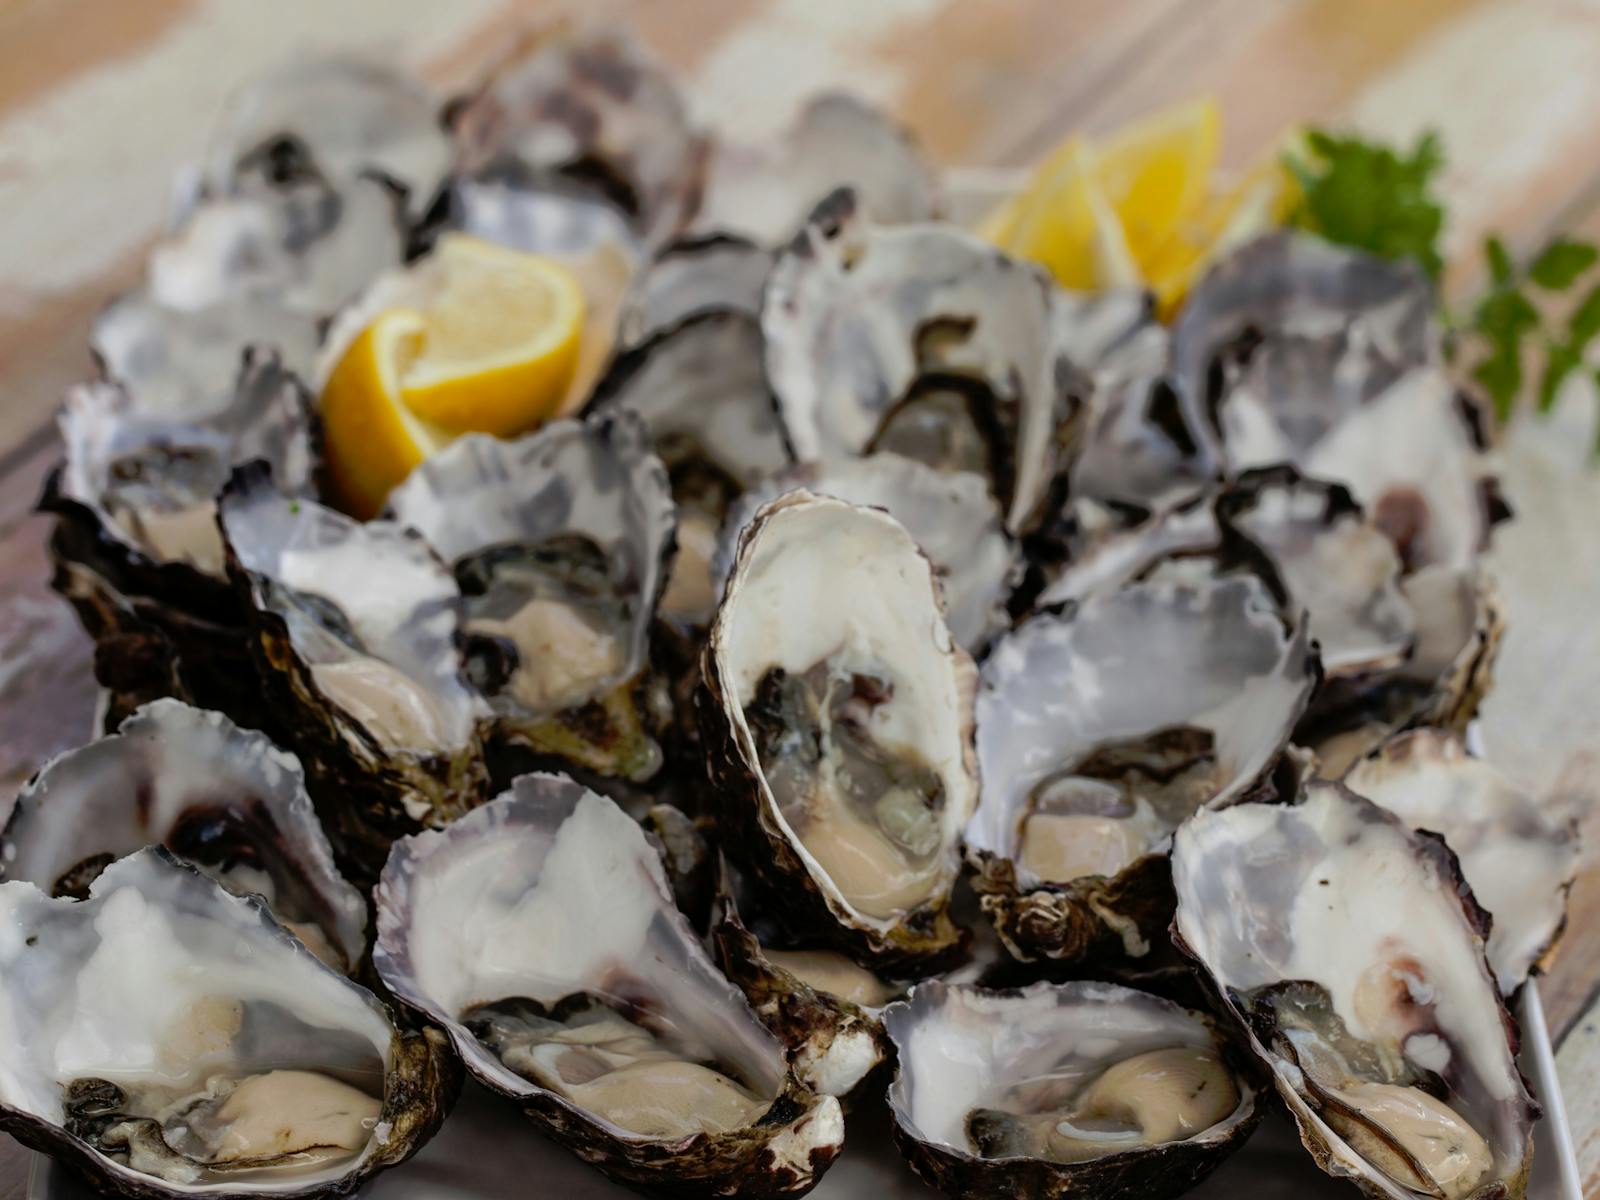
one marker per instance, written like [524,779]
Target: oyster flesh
[1064,1090]
[1352,952]
[167,1038]
[838,712]
[1102,727]
[540,932]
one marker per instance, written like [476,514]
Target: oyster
[694,276]
[356,628]
[1063,1090]
[1101,729]
[1518,860]
[592,105]
[222,798]
[950,514]
[560,542]
[837,709]
[922,340]
[166,1038]
[1352,952]
[540,932]
[136,547]
[765,192]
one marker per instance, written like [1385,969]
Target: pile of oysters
[897,680]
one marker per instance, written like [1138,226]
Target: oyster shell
[222,798]
[837,709]
[922,340]
[166,1038]
[540,932]
[765,192]
[1063,1090]
[1518,860]
[595,106]
[693,276]
[356,629]
[1352,952]
[560,542]
[950,514]
[1101,729]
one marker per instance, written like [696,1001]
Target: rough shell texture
[156,927]
[325,589]
[597,480]
[954,1043]
[950,514]
[713,273]
[1337,893]
[862,323]
[552,856]
[220,797]
[1218,656]
[813,574]
[765,192]
[1518,859]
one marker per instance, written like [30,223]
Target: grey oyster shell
[576,519]
[1519,859]
[222,798]
[135,547]
[580,881]
[822,587]
[356,629]
[765,192]
[690,277]
[333,120]
[950,514]
[958,1046]
[126,984]
[594,105]
[1351,952]
[923,340]
[1115,719]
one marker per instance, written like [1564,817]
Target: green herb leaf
[1500,269]
[1561,359]
[1503,319]
[1584,323]
[1362,194]
[1561,262]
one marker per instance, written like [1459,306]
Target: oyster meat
[168,1038]
[1063,1090]
[1352,952]
[540,932]
[224,799]
[837,706]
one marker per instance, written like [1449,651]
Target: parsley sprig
[1382,200]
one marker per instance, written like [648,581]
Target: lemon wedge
[473,338]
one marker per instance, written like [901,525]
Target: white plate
[488,1151]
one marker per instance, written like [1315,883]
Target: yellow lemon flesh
[1139,209]
[476,338]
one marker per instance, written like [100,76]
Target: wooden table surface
[102,101]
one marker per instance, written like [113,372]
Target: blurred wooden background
[103,101]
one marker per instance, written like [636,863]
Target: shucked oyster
[1353,954]
[1063,1090]
[950,514]
[560,542]
[837,708]
[922,340]
[1519,861]
[165,1038]
[222,798]
[540,932]
[136,546]
[1101,729]
[359,624]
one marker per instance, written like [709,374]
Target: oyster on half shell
[540,932]
[1064,1090]
[1352,952]
[166,1038]
[837,710]
[224,799]
[1102,727]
